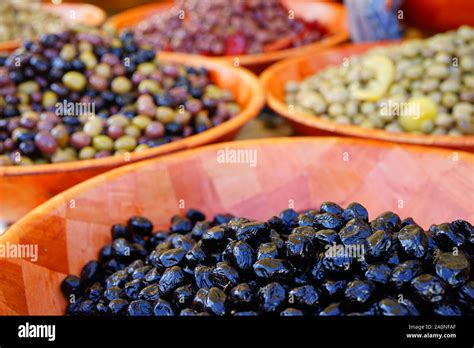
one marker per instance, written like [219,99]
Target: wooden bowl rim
[333,39]
[250,110]
[58,200]
[11,45]
[268,76]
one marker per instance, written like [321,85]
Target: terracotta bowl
[72,13]
[331,15]
[439,15]
[71,228]
[297,69]
[23,188]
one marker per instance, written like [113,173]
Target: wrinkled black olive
[163,308]
[272,269]
[172,257]
[119,279]
[214,239]
[118,306]
[215,302]
[253,233]
[133,288]
[378,273]
[95,292]
[245,314]
[86,307]
[332,208]
[242,297]
[171,279]
[267,250]
[304,297]
[390,307]
[150,293]
[466,296]
[355,232]
[195,215]
[241,255]
[196,256]
[180,241]
[328,221]
[71,285]
[120,231]
[429,288]
[183,296]
[405,272]
[152,276]
[447,310]
[199,300]
[291,312]
[140,273]
[220,219]
[360,292]
[140,308]
[91,273]
[334,288]
[289,217]
[272,297]
[453,269]
[299,247]
[323,238]
[202,277]
[413,241]
[224,275]
[181,225]
[140,225]
[199,229]
[378,245]
[446,237]
[355,210]
[333,309]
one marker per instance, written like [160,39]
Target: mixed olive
[420,86]
[26,19]
[83,95]
[227,27]
[331,261]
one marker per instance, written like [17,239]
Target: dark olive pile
[234,266]
[139,101]
[227,27]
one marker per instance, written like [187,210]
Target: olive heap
[420,86]
[227,27]
[235,266]
[139,102]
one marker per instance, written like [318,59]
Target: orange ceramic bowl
[72,13]
[439,15]
[297,69]
[71,228]
[331,15]
[23,188]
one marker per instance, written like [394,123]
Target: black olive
[163,308]
[447,237]
[390,307]
[405,272]
[215,302]
[299,247]
[140,225]
[71,285]
[120,231]
[277,224]
[466,296]
[359,293]
[214,239]
[196,256]
[378,245]
[333,309]
[171,279]
[118,306]
[202,277]
[95,292]
[114,292]
[150,293]
[172,257]
[199,301]
[242,297]
[378,273]
[324,238]
[413,241]
[253,233]
[91,273]
[245,314]
[447,309]
[453,269]
[133,288]
[291,312]
[118,278]
[267,250]
[355,210]
[272,297]
[289,218]
[101,308]
[272,269]
[220,219]
[355,232]
[141,272]
[242,256]
[86,307]
[181,225]
[224,275]
[152,276]
[328,221]
[195,215]
[386,221]
[334,288]
[428,288]
[199,229]
[187,312]
[304,297]
[183,297]
[140,308]
[331,207]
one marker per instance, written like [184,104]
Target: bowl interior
[430,185]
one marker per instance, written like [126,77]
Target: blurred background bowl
[430,185]
[275,78]
[72,13]
[330,15]
[25,187]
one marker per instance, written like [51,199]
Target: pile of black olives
[294,264]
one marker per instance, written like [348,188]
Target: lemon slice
[384,70]
[417,111]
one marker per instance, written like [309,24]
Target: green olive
[121,85]
[165,114]
[141,121]
[87,152]
[118,120]
[28,87]
[49,99]
[102,142]
[133,131]
[93,127]
[126,142]
[74,80]
[68,52]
